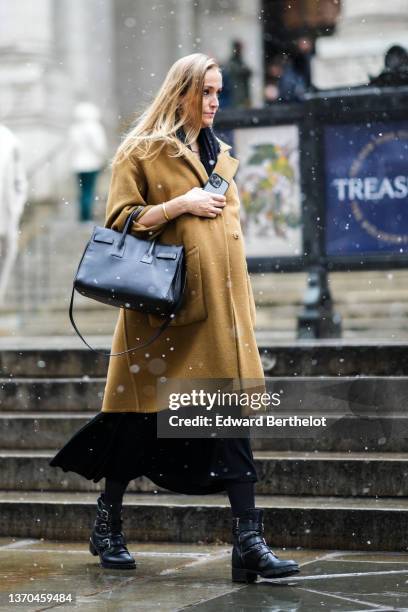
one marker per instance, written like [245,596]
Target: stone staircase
[366,311]
[372,304]
[342,490]
[51,244]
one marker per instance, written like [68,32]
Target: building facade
[114,53]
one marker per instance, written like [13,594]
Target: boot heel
[92,548]
[242,575]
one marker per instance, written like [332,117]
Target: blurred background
[73,73]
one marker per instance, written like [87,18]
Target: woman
[87,146]
[165,160]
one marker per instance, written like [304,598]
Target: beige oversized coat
[212,336]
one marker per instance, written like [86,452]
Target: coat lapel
[226,165]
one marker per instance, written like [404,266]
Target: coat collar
[226,165]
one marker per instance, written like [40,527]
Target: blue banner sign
[366,174]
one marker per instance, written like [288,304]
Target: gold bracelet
[165,212]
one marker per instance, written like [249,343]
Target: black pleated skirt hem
[124,446]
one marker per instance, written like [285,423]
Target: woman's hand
[202,203]
[196,201]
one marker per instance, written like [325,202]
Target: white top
[13,182]
[87,139]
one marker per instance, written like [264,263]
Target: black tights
[114,490]
[241,494]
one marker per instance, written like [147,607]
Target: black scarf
[208,145]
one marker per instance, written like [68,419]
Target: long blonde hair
[159,123]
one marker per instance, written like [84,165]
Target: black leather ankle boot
[107,539]
[251,556]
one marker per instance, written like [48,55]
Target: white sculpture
[13,196]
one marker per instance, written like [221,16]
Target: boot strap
[115,546]
[247,525]
[253,542]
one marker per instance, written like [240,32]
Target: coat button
[235,235]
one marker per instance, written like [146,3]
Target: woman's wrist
[175,207]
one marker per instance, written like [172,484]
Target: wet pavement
[197,577]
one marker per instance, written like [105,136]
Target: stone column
[234,19]
[150,37]
[53,53]
[26,40]
[366,29]
[31,85]
[84,39]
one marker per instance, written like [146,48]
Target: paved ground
[197,577]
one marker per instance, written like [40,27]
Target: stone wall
[366,29]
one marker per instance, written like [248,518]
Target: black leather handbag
[122,270]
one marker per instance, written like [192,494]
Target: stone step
[270,286]
[278,319]
[58,356]
[334,397]
[383,299]
[37,431]
[349,311]
[90,321]
[377,308]
[370,281]
[332,474]
[277,335]
[283,473]
[368,295]
[357,315]
[344,434]
[384,324]
[286,329]
[387,328]
[367,442]
[53,356]
[59,295]
[377,326]
[364,279]
[283,326]
[310,522]
[56,279]
[52,394]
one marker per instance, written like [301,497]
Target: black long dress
[124,445]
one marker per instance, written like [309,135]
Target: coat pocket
[252,305]
[193,308]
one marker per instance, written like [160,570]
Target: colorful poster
[268,180]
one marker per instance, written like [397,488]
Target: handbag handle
[126,228]
[162,327]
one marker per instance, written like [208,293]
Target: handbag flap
[103,235]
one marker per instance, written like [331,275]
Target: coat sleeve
[128,188]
